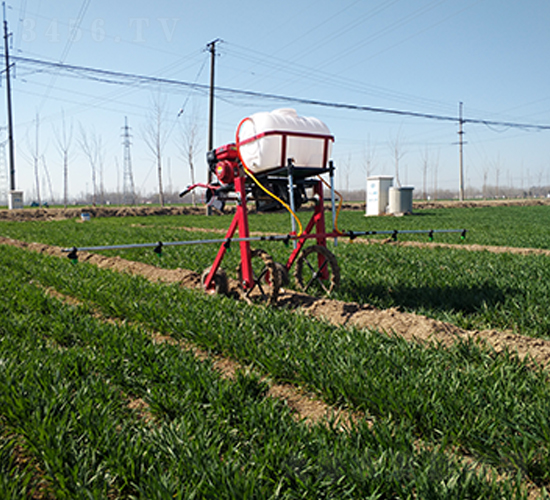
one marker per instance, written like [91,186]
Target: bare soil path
[128,211]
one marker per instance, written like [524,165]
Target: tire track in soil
[408,325]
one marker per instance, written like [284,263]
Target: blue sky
[423,56]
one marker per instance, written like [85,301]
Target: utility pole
[128,189]
[8,92]
[461,152]
[212,48]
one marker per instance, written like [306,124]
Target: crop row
[67,429]
[513,226]
[493,406]
[475,290]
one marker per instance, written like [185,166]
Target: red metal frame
[240,221]
[316,222]
[314,229]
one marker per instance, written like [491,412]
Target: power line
[121,78]
[76,27]
[281,66]
[66,49]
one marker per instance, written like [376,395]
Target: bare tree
[188,145]
[496,166]
[34,151]
[48,178]
[64,140]
[435,172]
[101,161]
[92,147]
[485,174]
[522,181]
[368,157]
[169,168]
[118,195]
[397,153]
[155,136]
[347,170]
[425,162]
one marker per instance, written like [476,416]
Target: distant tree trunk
[425,161]
[159,169]
[63,144]
[36,158]
[368,157]
[155,137]
[188,146]
[436,168]
[93,150]
[395,145]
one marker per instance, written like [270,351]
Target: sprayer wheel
[284,278]
[313,261]
[266,276]
[220,281]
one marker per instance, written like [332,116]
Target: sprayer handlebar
[209,187]
[187,190]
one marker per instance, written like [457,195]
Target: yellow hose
[260,185]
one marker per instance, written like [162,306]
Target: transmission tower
[128,190]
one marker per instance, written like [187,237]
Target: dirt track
[407,325]
[27,214]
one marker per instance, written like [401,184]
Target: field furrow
[384,377]
[306,407]
[413,327]
[72,385]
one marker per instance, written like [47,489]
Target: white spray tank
[268,139]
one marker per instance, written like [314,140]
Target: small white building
[401,200]
[15,200]
[377,194]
